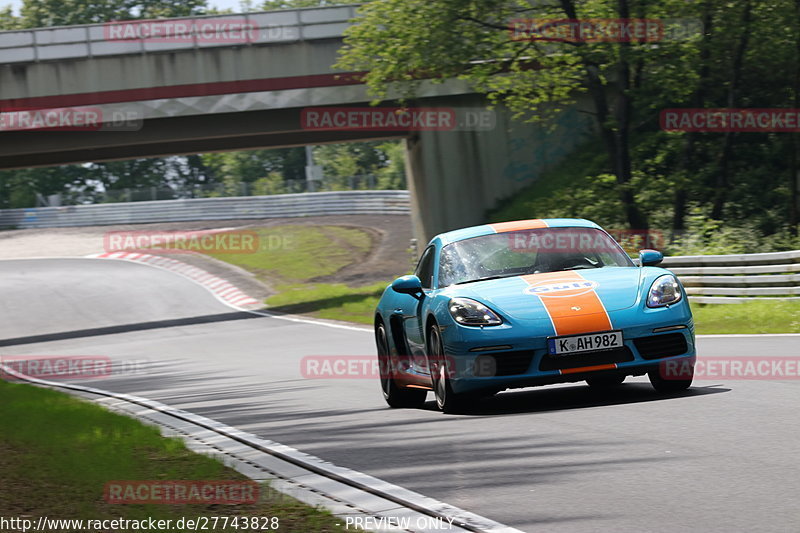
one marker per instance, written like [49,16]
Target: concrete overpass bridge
[244,82]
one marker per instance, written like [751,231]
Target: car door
[413,308]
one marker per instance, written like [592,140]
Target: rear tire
[661,384]
[447,400]
[605,382]
[394,395]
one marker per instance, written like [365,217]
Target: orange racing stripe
[610,366]
[518,225]
[572,311]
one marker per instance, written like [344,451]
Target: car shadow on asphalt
[576,396]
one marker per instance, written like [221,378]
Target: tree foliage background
[744,54]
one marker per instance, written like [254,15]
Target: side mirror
[407,285]
[650,257]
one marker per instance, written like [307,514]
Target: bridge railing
[738,278]
[233,208]
[90,40]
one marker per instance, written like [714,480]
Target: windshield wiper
[589,264]
[487,278]
[583,267]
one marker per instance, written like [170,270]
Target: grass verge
[297,253]
[749,317]
[293,257]
[335,301]
[58,452]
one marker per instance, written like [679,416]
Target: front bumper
[515,355]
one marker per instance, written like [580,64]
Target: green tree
[19,188]
[8,21]
[402,40]
[741,54]
[43,13]
[748,58]
[380,161]
[250,166]
[392,175]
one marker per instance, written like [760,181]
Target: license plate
[590,342]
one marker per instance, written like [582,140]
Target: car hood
[521,297]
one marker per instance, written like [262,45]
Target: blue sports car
[525,303]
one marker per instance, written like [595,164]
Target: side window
[425,268]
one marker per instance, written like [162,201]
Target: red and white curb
[222,289]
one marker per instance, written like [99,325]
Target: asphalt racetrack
[722,456]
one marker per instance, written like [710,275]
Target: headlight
[471,313]
[664,291]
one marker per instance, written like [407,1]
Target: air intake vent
[658,346]
[503,363]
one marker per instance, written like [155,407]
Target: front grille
[502,363]
[658,346]
[562,362]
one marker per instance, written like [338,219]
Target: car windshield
[528,252]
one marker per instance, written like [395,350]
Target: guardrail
[715,279]
[90,40]
[247,207]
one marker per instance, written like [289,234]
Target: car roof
[515,225]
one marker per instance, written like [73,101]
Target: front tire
[446,399]
[662,384]
[394,395]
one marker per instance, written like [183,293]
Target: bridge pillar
[456,176]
